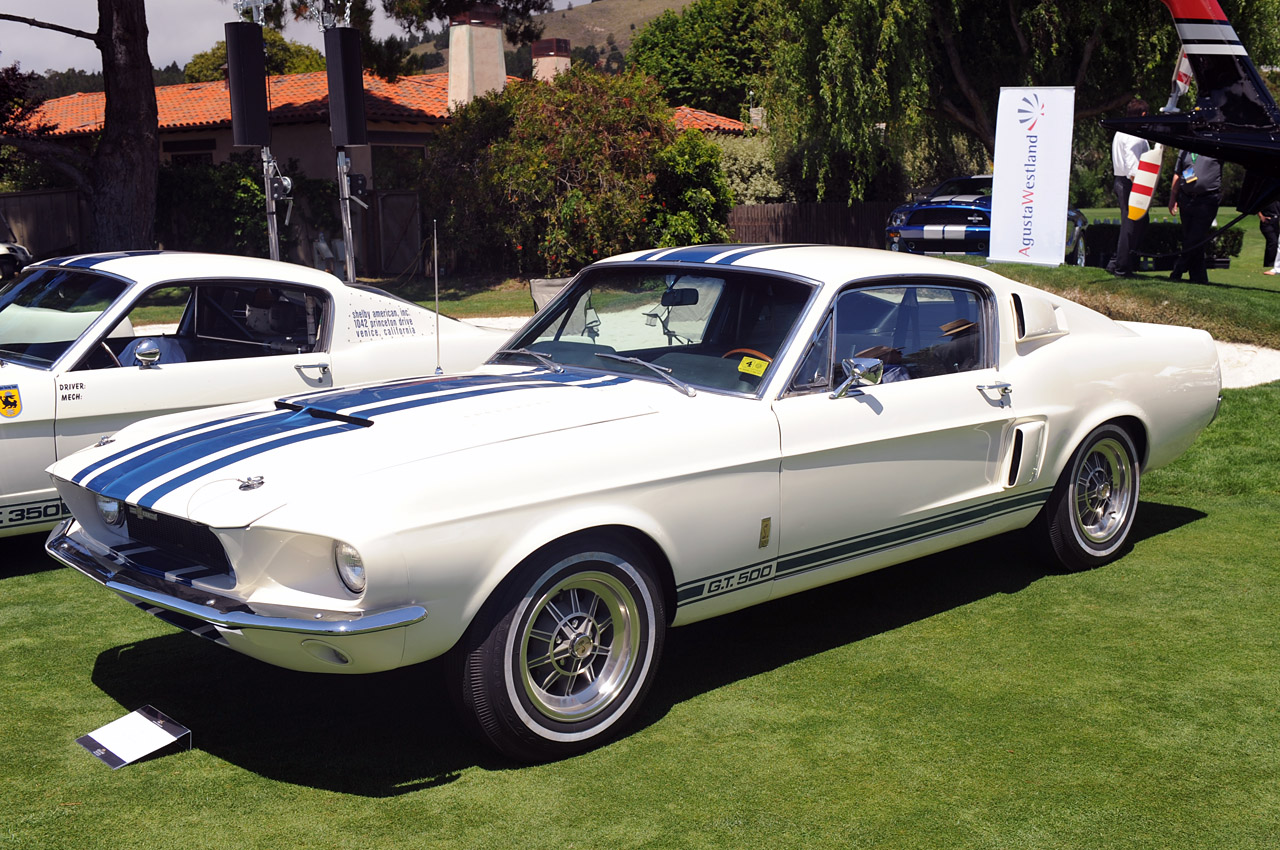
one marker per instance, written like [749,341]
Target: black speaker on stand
[346,87]
[247,76]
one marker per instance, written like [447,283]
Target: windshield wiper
[536,355]
[661,371]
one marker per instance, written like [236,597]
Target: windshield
[963,186]
[718,330]
[45,311]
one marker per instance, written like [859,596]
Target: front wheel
[1090,513]
[564,653]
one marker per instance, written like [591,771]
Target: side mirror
[863,372]
[147,353]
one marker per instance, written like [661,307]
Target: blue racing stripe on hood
[163,459]
[80,476]
[295,425]
[152,496]
[347,400]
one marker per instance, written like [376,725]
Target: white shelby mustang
[91,343]
[680,433]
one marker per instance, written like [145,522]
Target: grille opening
[179,538]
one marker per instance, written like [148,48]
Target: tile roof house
[195,125]
[195,118]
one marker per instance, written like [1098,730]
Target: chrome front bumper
[155,595]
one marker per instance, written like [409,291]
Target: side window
[918,331]
[248,320]
[209,322]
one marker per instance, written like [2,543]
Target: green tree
[863,94]
[517,15]
[844,88]
[548,177]
[704,56]
[283,57]
[119,177]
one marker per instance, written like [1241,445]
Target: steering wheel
[110,353]
[757,354]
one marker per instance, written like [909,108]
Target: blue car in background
[955,218]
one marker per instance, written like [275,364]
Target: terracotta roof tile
[688,118]
[295,98]
[302,98]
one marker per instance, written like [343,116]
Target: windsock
[1181,82]
[1145,183]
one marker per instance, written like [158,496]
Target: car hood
[229,470]
[970,200]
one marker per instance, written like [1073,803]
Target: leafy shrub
[1163,238]
[544,178]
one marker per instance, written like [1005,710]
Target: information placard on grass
[139,733]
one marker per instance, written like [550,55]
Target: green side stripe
[870,543]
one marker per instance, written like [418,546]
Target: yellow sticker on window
[753,366]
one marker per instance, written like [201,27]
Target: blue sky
[179,29]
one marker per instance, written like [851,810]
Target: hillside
[592,23]
[589,24]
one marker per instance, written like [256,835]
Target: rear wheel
[562,656]
[1090,513]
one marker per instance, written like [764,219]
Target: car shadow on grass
[377,735]
[386,734]
[24,555]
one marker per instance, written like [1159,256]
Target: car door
[233,341]
[910,465]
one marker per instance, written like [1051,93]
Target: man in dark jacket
[1197,189]
[1269,225]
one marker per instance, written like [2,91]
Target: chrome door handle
[1001,387]
[323,367]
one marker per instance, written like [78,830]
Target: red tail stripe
[1204,10]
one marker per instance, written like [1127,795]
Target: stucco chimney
[550,57]
[476,62]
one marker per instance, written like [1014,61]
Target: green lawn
[1240,304]
[965,700]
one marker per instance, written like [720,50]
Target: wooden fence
[860,224]
[48,222]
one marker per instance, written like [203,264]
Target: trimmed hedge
[1161,243]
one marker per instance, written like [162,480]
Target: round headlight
[350,566]
[897,218]
[111,510]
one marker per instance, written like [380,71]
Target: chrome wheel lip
[578,643]
[1103,492]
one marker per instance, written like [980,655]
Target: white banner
[1029,192]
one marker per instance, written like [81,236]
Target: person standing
[1197,189]
[1125,152]
[1269,225]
